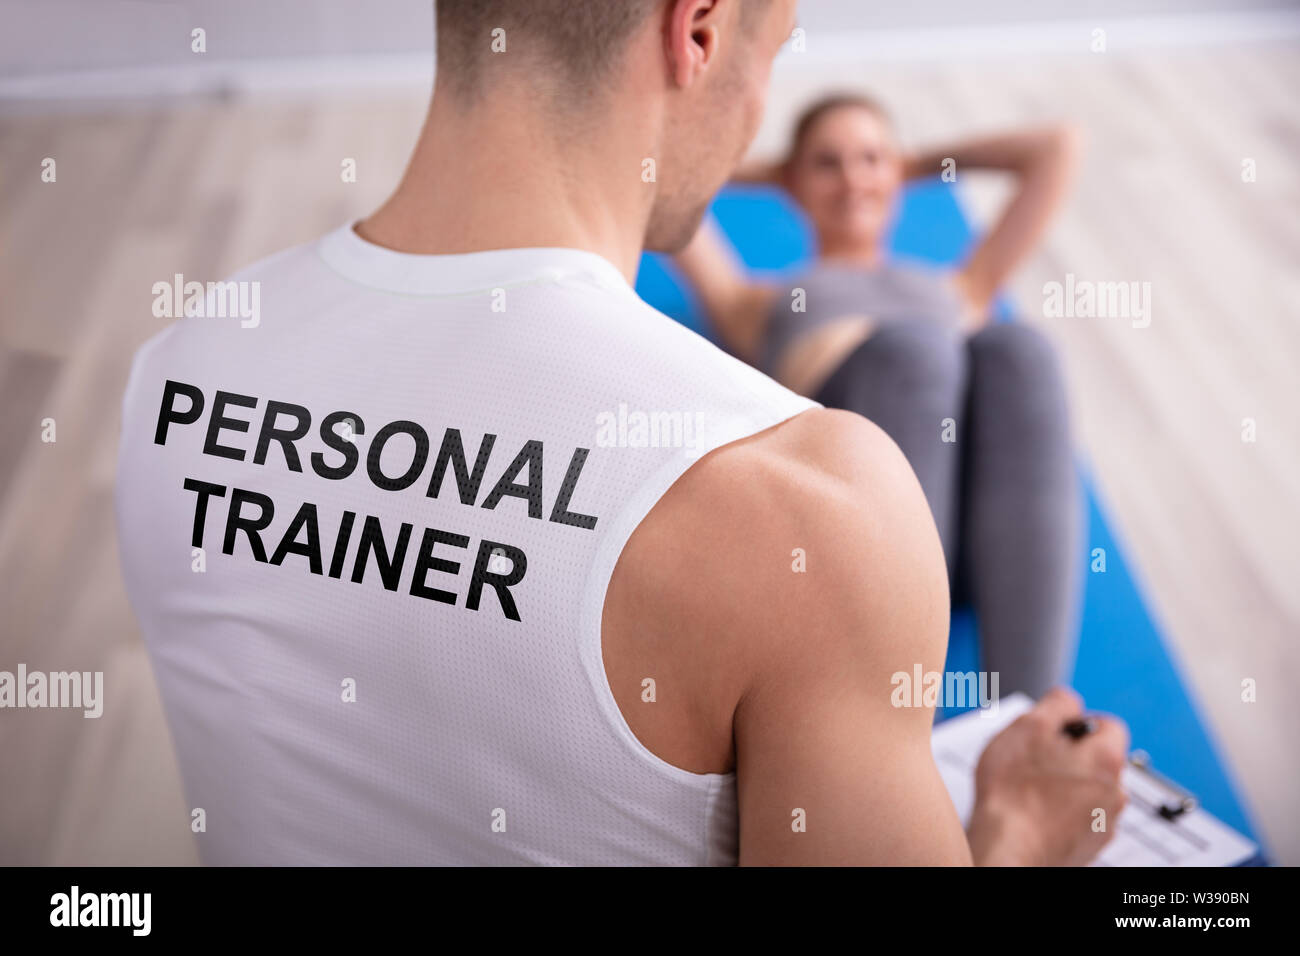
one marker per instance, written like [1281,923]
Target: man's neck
[497,175]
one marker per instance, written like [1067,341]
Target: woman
[977,408]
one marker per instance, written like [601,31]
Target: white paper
[1144,838]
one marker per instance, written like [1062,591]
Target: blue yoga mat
[1123,666]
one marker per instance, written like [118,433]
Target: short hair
[813,114]
[582,38]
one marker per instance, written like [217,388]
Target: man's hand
[1037,789]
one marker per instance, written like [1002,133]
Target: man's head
[693,72]
[577,42]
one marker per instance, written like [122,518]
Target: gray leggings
[1004,494]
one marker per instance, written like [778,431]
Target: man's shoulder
[614,343]
[820,478]
[280,276]
[798,533]
[828,548]
[803,548]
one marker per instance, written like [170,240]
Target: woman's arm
[1043,161]
[734,304]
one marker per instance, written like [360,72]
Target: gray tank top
[831,291]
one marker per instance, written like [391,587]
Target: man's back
[411,482]
[369,539]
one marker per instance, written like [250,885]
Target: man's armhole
[608,552]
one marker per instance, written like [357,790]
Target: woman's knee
[1016,385]
[917,352]
[1015,354]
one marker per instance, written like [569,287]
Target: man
[465,555]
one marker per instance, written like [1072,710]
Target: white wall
[57,36]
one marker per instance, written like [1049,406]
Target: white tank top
[410,478]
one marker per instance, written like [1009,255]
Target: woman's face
[847,175]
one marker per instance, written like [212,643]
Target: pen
[1080,727]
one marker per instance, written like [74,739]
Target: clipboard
[1163,823]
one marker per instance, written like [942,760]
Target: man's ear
[694,36]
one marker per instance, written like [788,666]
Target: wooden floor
[146,191]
